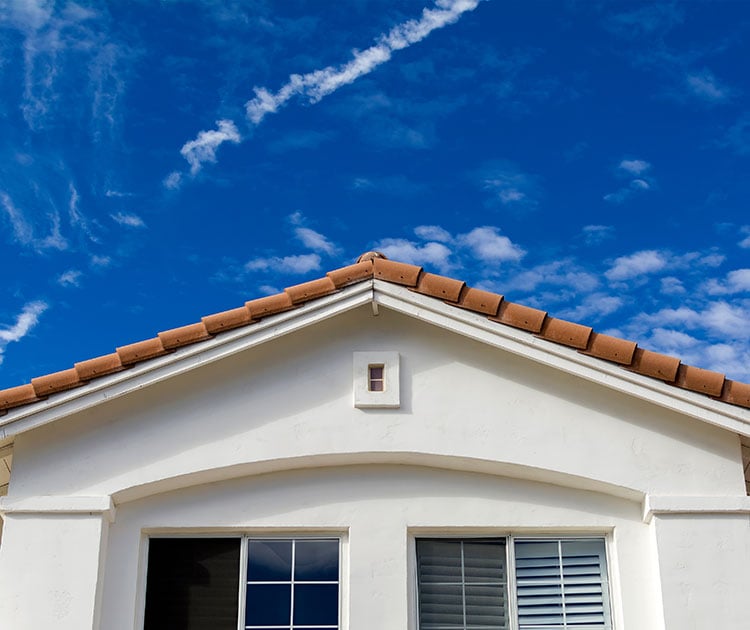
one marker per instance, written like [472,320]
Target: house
[380,448]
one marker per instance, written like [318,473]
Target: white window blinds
[561,584]
[462,584]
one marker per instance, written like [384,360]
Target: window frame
[243,537]
[510,539]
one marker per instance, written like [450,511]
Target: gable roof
[375,266]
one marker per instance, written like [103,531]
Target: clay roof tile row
[449,290]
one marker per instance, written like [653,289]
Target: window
[202,584]
[548,584]
[376,378]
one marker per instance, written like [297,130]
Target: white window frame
[510,538]
[390,396]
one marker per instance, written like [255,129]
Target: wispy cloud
[320,83]
[707,87]
[70,278]
[128,219]
[432,233]
[737,137]
[745,242]
[23,231]
[203,148]
[25,321]
[646,21]
[635,169]
[315,85]
[509,186]
[300,264]
[595,234]
[311,239]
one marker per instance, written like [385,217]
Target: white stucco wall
[484,440]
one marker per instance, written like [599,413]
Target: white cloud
[637,264]
[24,232]
[432,233]
[77,219]
[315,241]
[172,181]
[70,278]
[565,274]
[300,264]
[25,321]
[403,250]
[204,147]
[128,219]
[737,281]
[320,83]
[595,234]
[509,185]
[101,261]
[634,167]
[705,86]
[488,245]
[745,242]
[593,307]
[672,286]
[727,320]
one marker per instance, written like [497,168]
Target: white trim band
[54,505]
[672,506]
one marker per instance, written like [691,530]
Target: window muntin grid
[292,584]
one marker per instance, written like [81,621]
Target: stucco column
[704,555]
[51,562]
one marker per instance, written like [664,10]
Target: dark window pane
[269,560]
[268,604]
[316,560]
[316,604]
[192,584]
[439,560]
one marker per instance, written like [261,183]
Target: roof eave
[397,298]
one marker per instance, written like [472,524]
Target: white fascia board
[528,345]
[675,506]
[182,360]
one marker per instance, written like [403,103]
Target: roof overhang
[399,299]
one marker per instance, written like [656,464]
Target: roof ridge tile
[520,316]
[396,272]
[443,287]
[183,335]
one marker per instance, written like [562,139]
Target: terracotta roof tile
[16,396]
[353,273]
[566,333]
[226,320]
[56,382]
[310,290]
[699,380]
[269,305]
[611,348]
[480,301]
[375,265]
[99,366]
[655,365]
[184,335]
[440,287]
[736,393]
[396,272]
[141,350]
[519,316]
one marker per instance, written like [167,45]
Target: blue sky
[165,160]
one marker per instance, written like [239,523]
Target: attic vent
[376,380]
